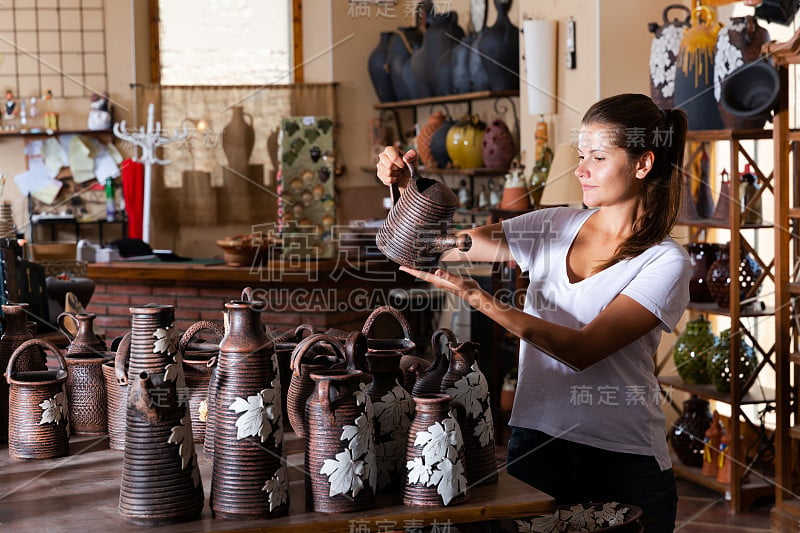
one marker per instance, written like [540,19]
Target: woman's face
[606,175]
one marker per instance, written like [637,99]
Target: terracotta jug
[315,353]
[198,361]
[38,421]
[425,486]
[340,433]
[466,384]
[393,407]
[15,332]
[85,340]
[160,477]
[249,480]
[154,339]
[429,379]
[415,231]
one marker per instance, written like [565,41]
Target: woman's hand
[392,168]
[465,288]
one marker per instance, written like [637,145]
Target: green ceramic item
[691,352]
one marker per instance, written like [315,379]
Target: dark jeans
[576,473]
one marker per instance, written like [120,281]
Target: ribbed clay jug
[414,233]
[86,390]
[393,407]
[160,477]
[15,332]
[341,473]
[315,353]
[435,464]
[198,360]
[466,384]
[115,374]
[38,420]
[249,480]
[154,339]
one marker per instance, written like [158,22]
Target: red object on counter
[133,192]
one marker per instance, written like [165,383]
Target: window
[225,42]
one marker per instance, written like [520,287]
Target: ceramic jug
[719,361]
[402,44]
[85,340]
[664,53]
[689,430]
[198,361]
[405,345]
[701,256]
[115,373]
[340,436]
[315,353]
[694,75]
[249,479]
[719,277]
[426,461]
[499,50]
[378,65]
[429,379]
[691,351]
[414,233]
[466,384]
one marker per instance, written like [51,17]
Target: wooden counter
[81,493]
[331,293]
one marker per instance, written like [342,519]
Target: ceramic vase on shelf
[341,472]
[719,361]
[738,44]
[691,351]
[722,211]
[403,42]
[689,430]
[438,144]
[435,121]
[701,256]
[694,74]
[378,66]
[712,438]
[249,478]
[435,461]
[705,200]
[498,145]
[719,277]
[664,53]
[465,142]
[499,49]
[435,44]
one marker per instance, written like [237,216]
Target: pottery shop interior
[400,265]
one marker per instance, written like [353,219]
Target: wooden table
[80,492]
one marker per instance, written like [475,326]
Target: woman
[587,423]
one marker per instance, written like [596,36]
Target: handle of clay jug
[121,359]
[355,349]
[435,346]
[387,309]
[460,411]
[325,401]
[196,328]
[248,295]
[303,346]
[245,114]
[60,321]
[680,7]
[28,344]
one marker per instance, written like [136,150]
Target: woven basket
[117,395]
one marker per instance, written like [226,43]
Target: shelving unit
[786,513]
[747,484]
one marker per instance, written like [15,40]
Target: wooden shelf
[755,395]
[752,489]
[450,98]
[745,311]
[474,172]
[794,432]
[52,133]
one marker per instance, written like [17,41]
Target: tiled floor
[703,511]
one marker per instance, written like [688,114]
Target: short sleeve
[525,235]
[662,286]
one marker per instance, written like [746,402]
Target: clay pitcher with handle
[429,378]
[405,345]
[415,232]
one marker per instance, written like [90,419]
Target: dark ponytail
[640,126]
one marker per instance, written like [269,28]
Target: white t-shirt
[615,403]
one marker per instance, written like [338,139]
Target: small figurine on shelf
[483,197]
[751,200]
[464,195]
[11,105]
[495,190]
[99,113]
[50,116]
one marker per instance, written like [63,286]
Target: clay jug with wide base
[435,464]
[238,139]
[341,473]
